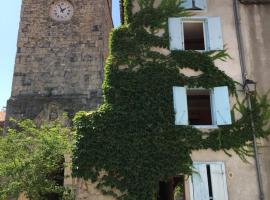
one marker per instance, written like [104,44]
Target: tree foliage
[31,158]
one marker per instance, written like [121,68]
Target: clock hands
[62,9]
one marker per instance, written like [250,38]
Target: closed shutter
[200,182]
[219,184]
[180,105]
[201,4]
[214,33]
[187,4]
[176,35]
[221,106]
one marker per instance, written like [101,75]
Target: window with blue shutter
[221,106]
[195,33]
[194,4]
[208,182]
[176,33]
[200,4]
[218,179]
[200,182]
[214,33]
[202,108]
[180,105]
[187,4]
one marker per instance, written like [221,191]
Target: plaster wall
[256,35]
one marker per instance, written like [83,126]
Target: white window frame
[213,125]
[222,164]
[205,30]
[180,105]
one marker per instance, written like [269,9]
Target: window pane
[199,107]
[173,189]
[194,36]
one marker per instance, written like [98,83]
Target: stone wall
[60,62]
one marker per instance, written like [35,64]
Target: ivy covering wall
[130,142]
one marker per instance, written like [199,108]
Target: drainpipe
[244,77]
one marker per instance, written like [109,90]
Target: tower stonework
[59,63]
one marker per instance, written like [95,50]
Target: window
[173,189]
[194,4]
[208,182]
[199,107]
[195,33]
[202,107]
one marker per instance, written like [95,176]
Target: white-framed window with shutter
[194,4]
[195,33]
[202,108]
[208,181]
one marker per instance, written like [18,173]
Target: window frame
[211,93]
[205,31]
[224,176]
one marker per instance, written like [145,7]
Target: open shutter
[200,183]
[180,105]
[219,184]
[175,31]
[221,106]
[201,4]
[214,33]
[187,4]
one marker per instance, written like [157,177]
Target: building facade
[59,67]
[255,34]
[215,26]
[60,57]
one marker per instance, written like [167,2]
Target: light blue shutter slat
[214,33]
[221,106]
[200,183]
[180,105]
[200,4]
[219,184]
[187,4]
[175,31]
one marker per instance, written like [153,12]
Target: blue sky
[9,24]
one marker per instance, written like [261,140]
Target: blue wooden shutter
[214,33]
[187,4]
[180,105]
[175,32]
[218,179]
[200,182]
[221,106]
[200,4]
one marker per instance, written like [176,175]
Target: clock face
[61,10]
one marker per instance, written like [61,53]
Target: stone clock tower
[62,45]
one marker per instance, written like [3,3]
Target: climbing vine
[130,142]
